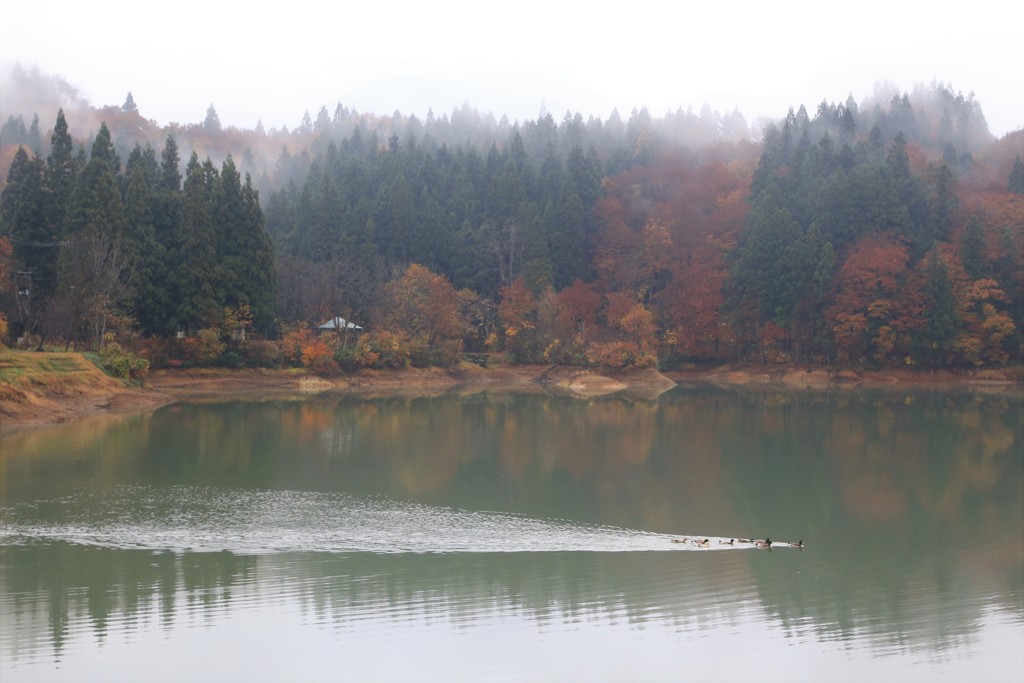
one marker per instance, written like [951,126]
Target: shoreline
[797,377]
[162,387]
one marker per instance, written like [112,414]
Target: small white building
[337,324]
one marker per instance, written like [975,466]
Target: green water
[497,536]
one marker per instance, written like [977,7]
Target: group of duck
[765,544]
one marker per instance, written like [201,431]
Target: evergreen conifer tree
[257,276]
[972,249]
[35,137]
[29,218]
[149,295]
[227,218]
[941,320]
[211,124]
[567,236]
[98,204]
[197,262]
[62,168]
[1015,183]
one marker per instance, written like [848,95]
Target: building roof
[338,323]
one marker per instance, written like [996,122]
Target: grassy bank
[46,387]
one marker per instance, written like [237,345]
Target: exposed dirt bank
[48,388]
[51,398]
[212,383]
[60,387]
[195,384]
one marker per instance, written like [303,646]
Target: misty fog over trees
[888,232]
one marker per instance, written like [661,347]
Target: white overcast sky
[273,61]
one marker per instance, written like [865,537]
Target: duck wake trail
[201,519]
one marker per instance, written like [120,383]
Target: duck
[731,541]
[680,540]
[765,544]
[798,544]
[703,544]
[745,540]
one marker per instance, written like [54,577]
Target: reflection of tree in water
[546,587]
[116,590]
[515,449]
[913,517]
[114,593]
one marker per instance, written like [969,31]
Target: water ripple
[253,521]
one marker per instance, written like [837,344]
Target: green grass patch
[65,364]
[11,375]
[11,368]
[33,366]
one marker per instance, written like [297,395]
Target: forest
[888,232]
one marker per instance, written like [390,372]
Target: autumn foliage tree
[424,307]
[517,315]
[863,310]
[632,346]
[574,322]
[988,329]
[667,230]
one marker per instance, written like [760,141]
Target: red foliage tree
[864,291]
[578,305]
[666,231]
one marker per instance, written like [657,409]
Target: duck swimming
[798,544]
[680,540]
[765,544]
[703,544]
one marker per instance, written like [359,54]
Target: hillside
[872,234]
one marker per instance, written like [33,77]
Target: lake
[493,536]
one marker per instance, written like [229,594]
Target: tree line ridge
[885,235]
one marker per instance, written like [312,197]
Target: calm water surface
[491,537]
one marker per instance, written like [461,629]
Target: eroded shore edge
[168,386]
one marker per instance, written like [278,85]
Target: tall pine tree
[29,219]
[62,167]
[257,276]
[197,265]
[97,264]
[941,319]
[149,295]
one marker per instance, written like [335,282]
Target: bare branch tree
[97,270]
